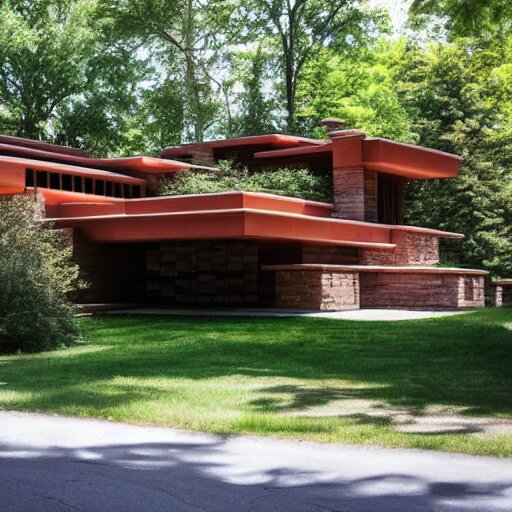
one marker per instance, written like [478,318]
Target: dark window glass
[29,177]
[100,188]
[77,180]
[55,181]
[67,182]
[135,191]
[127,191]
[89,186]
[110,189]
[42,179]
[118,189]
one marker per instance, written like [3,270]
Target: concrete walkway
[55,464]
[382,315]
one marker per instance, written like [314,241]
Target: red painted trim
[502,282]
[23,163]
[406,160]
[304,150]
[271,139]
[145,164]
[376,268]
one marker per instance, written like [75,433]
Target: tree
[256,114]
[468,17]
[458,97]
[301,27]
[62,76]
[36,275]
[360,89]
[44,51]
[188,32]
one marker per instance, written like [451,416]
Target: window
[42,179]
[89,186]
[75,183]
[67,182]
[29,177]
[100,188]
[136,191]
[55,181]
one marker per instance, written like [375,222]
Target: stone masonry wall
[316,290]
[371,213]
[411,249]
[203,272]
[348,193]
[421,291]
[499,295]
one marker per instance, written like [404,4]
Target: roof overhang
[225,215]
[272,140]
[407,160]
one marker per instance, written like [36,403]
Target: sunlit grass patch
[302,378]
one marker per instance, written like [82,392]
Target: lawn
[305,378]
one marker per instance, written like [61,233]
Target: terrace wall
[316,290]
[411,249]
[421,291]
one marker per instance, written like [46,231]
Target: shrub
[300,183]
[36,274]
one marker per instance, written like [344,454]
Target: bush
[36,274]
[300,183]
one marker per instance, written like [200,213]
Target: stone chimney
[354,189]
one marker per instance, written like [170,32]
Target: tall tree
[468,17]
[360,89]
[63,77]
[45,48]
[188,31]
[301,27]
[458,97]
[256,110]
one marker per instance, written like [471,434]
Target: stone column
[354,191]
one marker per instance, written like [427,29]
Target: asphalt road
[54,464]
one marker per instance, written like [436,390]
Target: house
[248,249]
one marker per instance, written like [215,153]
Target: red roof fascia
[277,140]
[36,144]
[211,215]
[144,164]
[326,147]
[408,160]
[381,269]
[70,169]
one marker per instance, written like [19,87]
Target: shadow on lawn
[461,361]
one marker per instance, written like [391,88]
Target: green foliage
[298,30]
[36,275]
[467,17]
[359,89]
[456,104]
[287,182]
[257,109]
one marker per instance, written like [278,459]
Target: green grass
[280,377]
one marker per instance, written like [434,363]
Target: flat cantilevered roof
[140,164]
[226,215]
[380,155]
[272,140]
